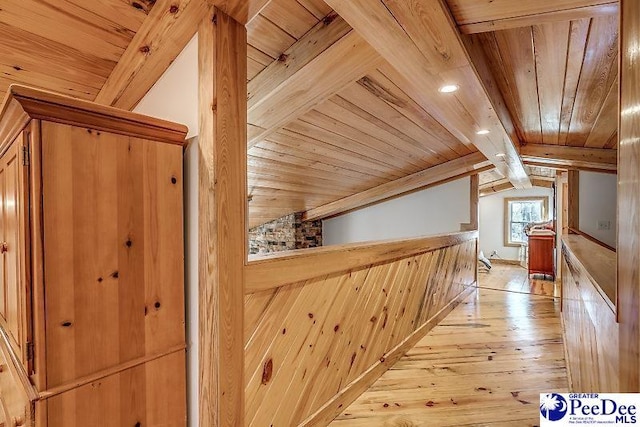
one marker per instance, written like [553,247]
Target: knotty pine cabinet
[92,314]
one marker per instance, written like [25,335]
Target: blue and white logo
[589,409]
[553,407]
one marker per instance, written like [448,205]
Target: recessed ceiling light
[500,155]
[448,88]
[483,132]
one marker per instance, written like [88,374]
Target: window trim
[507,214]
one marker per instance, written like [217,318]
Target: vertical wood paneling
[222,252]
[590,331]
[112,235]
[132,397]
[313,340]
[629,198]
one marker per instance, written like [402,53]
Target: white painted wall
[598,201]
[174,97]
[439,209]
[492,217]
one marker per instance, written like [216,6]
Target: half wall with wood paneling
[588,315]
[313,345]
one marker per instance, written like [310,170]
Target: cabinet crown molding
[23,103]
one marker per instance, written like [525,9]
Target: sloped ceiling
[328,116]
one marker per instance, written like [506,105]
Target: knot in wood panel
[267,372]
[329,18]
[143,5]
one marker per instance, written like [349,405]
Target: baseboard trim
[504,261]
[353,390]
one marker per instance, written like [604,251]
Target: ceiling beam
[570,157]
[542,178]
[242,11]
[473,16]
[484,70]
[162,36]
[537,182]
[325,33]
[319,65]
[495,187]
[420,40]
[444,172]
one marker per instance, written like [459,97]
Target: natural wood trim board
[280,269]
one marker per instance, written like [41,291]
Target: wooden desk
[541,254]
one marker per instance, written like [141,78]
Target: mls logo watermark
[588,409]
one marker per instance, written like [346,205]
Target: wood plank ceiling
[328,116]
[68,46]
[559,80]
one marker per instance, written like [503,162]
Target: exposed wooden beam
[542,178]
[490,184]
[474,205]
[570,157]
[222,245]
[473,16]
[420,40]
[241,11]
[319,65]
[162,36]
[325,33]
[495,187]
[458,168]
[573,188]
[537,182]
[484,71]
[628,296]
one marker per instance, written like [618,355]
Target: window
[518,213]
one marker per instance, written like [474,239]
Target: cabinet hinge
[29,351]
[25,156]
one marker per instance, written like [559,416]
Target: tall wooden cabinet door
[12,247]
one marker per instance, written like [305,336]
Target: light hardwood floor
[515,278]
[485,364]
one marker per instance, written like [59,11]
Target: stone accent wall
[308,233]
[285,234]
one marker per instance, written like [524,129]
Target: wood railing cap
[598,263]
[284,268]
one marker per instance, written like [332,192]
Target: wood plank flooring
[515,279]
[485,364]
